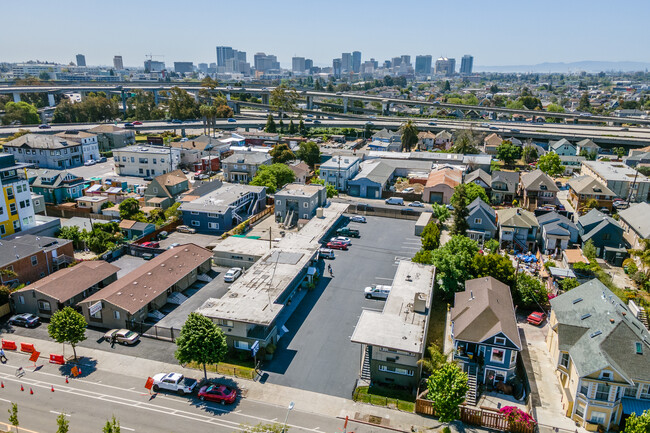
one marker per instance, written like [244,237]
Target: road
[88,403]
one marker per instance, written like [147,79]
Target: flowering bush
[517,417]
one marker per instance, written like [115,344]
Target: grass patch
[382,396]
[437,322]
[227,369]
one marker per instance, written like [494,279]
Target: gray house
[241,167]
[296,201]
[588,146]
[557,232]
[482,221]
[224,208]
[339,169]
[603,231]
[371,180]
[111,137]
[46,151]
[504,186]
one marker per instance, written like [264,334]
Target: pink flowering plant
[517,417]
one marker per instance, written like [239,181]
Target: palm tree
[434,361]
[205,115]
[409,135]
[466,142]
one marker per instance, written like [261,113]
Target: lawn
[437,322]
[226,369]
[381,396]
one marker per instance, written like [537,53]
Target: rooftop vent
[575,301]
[595,334]
[585,316]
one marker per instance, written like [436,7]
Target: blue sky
[497,32]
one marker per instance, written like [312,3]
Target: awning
[632,405]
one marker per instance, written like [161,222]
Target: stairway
[176,298]
[519,243]
[644,318]
[365,368]
[472,393]
[204,277]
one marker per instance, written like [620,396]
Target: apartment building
[241,167]
[89,144]
[339,169]
[46,151]
[624,181]
[16,206]
[146,161]
[111,137]
[33,257]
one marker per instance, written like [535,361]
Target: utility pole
[338,179]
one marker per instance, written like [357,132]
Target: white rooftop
[399,326]
[615,171]
[296,189]
[242,245]
[157,150]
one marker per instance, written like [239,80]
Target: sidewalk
[306,401]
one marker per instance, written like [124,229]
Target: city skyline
[343,33]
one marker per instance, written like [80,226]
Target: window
[497,355]
[162,160]
[631,391]
[21,299]
[132,159]
[478,220]
[396,370]
[513,357]
[607,236]
[305,204]
[278,202]
[141,171]
[606,375]
[196,223]
[580,409]
[584,389]
[155,190]
[223,322]
[34,260]
[213,226]
[154,160]
[602,392]
[212,215]
[44,306]
[564,360]
[305,216]
[645,391]
[597,417]
[243,345]
[116,314]
[2,229]
[124,159]
[194,212]
[500,341]
[12,208]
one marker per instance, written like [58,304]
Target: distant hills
[591,66]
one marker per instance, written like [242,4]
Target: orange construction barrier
[9,345]
[26,347]
[56,359]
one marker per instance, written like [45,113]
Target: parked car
[177,121]
[432,123]
[122,336]
[335,245]
[515,130]
[150,244]
[218,393]
[395,200]
[342,239]
[102,159]
[175,382]
[185,229]
[232,275]
[377,291]
[358,219]
[416,204]
[326,253]
[174,245]
[26,320]
[346,231]
[44,126]
[536,318]
[90,162]
[163,234]
[408,190]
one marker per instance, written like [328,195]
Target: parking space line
[382,278]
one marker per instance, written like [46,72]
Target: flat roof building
[624,181]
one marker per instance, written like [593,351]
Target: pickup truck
[345,231]
[174,382]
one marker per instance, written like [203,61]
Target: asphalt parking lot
[317,354]
[184,238]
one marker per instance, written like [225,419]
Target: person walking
[3,357]
[329,269]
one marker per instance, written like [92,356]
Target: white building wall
[145,163]
[26,212]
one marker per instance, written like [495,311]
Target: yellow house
[602,355]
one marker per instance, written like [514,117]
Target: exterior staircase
[472,393]
[176,298]
[520,244]
[365,368]
[643,317]
[204,278]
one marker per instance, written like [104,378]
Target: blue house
[484,333]
[223,208]
[606,234]
[482,221]
[56,186]
[564,147]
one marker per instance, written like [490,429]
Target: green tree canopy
[430,236]
[283,98]
[529,291]
[201,341]
[182,105]
[454,263]
[568,284]
[62,423]
[529,154]
[273,177]
[112,426]
[331,189]
[281,153]
[21,112]
[584,104]
[447,388]
[472,190]
[309,152]
[460,200]
[270,125]
[435,359]
[96,107]
[68,326]
[638,423]
[466,142]
[129,209]
[441,212]
[551,164]
[409,133]
[494,265]
[508,152]
[590,250]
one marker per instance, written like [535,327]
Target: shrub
[517,417]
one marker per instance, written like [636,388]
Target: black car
[26,320]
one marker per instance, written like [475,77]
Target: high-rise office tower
[183,67]
[223,54]
[265,62]
[346,62]
[466,64]
[118,63]
[396,62]
[309,65]
[445,66]
[153,66]
[81,60]
[406,60]
[423,65]
[336,68]
[298,64]
[356,61]
[203,68]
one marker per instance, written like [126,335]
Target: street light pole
[284,427]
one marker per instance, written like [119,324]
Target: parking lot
[317,354]
[184,238]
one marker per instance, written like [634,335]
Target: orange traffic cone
[21,388]
[66,379]
[52,388]
[30,391]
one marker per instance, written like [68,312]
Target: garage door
[372,192]
[354,190]
[435,197]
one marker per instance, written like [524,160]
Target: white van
[326,253]
[395,200]
[377,291]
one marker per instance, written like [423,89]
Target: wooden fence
[483,416]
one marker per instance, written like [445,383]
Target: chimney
[419,303]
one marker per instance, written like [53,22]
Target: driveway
[317,354]
[544,385]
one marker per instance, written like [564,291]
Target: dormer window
[542,187]
[500,341]
[606,375]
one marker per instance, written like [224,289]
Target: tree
[568,284]
[441,212]
[472,191]
[172,212]
[409,135]
[273,176]
[434,361]
[491,245]
[72,233]
[430,236]
[265,428]
[638,424]
[281,153]
[292,127]
[21,112]
[551,164]
[182,105]
[584,104]
[529,291]
[590,250]
[283,99]
[301,128]
[68,326]
[13,415]
[529,154]
[129,209]
[531,102]
[447,388]
[643,254]
[508,152]
[281,125]
[265,178]
[453,262]
[63,425]
[309,152]
[270,125]
[112,426]
[460,201]
[201,341]
[619,151]
[494,265]
[466,142]
[331,189]
[446,87]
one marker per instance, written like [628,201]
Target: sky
[496,32]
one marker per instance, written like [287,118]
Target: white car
[408,190]
[174,382]
[417,204]
[89,162]
[326,253]
[358,219]
[377,291]
[342,239]
[232,275]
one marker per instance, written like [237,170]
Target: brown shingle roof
[126,224]
[69,282]
[144,284]
[449,176]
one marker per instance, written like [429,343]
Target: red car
[337,245]
[150,245]
[137,122]
[219,393]
[536,318]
